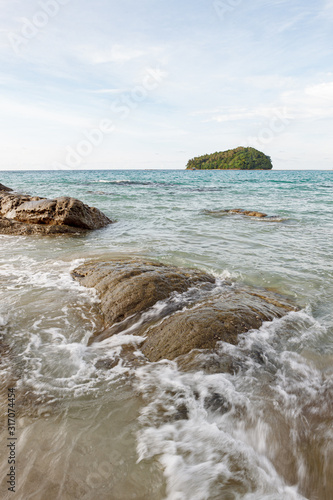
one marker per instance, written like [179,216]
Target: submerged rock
[203,314]
[240,211]
[24,214]
[246,213]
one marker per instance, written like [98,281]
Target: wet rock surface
[24,214]
[176,310]
[11,227]
[246,213]
[129,287]
[221,318]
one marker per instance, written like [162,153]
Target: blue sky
[150,84]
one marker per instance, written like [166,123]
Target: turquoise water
[100,432]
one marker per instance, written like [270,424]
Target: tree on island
[234,159]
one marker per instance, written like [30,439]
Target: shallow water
[152,431]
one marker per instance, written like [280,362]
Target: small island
[234,159]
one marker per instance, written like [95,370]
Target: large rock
[24,214]
[12,227]
[221,317]
[201,313]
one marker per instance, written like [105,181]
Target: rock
[202,315]
[35,215]
[128,287]
[240,211]
[10,201]
[249,213]
[4,188]
[11,227]
[220,318]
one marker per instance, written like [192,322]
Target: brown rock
[221,318]
[215,313]
[240,211]
[65,212]
[11,201]
[249,213]
[129,287]
[12,227]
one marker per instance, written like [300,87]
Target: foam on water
[54,318]
[240,434]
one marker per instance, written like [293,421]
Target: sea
[87,431]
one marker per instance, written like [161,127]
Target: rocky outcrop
[128,287]
[221,317]
[175,310]
[24,214]
[12,227]
[4,188]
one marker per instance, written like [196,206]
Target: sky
[105,84]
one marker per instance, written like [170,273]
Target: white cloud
[115,54]
[107,91]
[327,12]
[235,114]
[322,91]
[313,101]
[290,24]
[21,111]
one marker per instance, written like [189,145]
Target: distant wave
[128,182]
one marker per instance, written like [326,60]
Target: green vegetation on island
[234,159]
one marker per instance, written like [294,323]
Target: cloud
[21,111]
[309,102]
[107,91]
[313,101]
[240,114]
[327,11]
[225,79]
[321,91]
[115,54]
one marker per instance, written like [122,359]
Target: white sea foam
[3,321]
[226,434]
